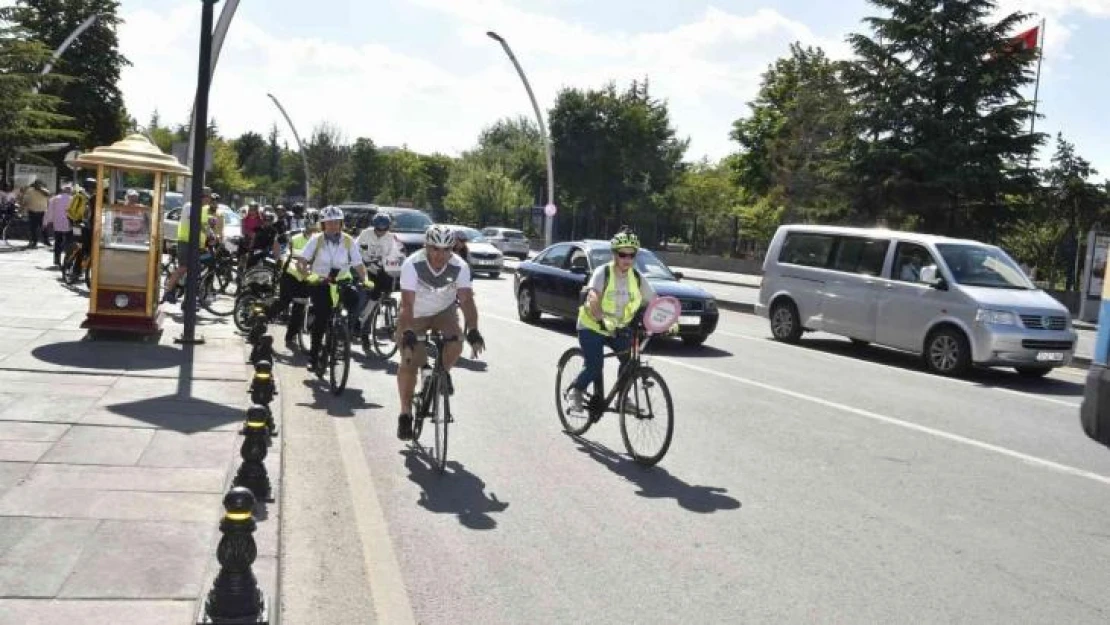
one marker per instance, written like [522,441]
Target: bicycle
[378,326]
[631,392]
[335,356]
[208,293]
[77,260]
[434,399]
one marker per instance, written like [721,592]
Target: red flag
[1026,40]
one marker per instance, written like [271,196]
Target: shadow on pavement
[986,377]
[87,354]
[656,483]
[472,365]
[342,406]
[676,348]
[457,491]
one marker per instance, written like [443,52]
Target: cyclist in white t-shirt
[432,281]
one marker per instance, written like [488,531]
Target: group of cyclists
[435,283]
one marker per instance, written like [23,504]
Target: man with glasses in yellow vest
[293,284]
[617,292]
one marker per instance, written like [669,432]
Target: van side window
[859,255]
[807,249]
[909,259]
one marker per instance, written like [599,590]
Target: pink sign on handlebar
[661,314]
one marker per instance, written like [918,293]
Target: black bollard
[252,473]
[235,597]
[259,412]
[263,350]
[262,389]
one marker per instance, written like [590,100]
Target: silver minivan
[956,302]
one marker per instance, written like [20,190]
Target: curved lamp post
[549,210]
[300,145]
[218,35]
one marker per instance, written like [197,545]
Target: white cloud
[706,69]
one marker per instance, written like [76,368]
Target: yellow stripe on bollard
[237,516]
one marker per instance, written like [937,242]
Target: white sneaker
[574,400]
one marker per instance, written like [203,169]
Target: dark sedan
[551,282]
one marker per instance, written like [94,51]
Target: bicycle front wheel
[244,308]
[383,327]
[340,365]
[647,416]
[440,411]
[212,300]
[571,364]
[305,335]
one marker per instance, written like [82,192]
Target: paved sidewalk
[114,460]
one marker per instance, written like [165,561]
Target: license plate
[1050,357]
[689,320]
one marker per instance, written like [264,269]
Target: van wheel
[947,352]
[1033,372]
[785,324]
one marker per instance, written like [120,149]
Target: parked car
[510,242]
[483,257]
[956,302]
[232,226]
[552,282]
[356,215]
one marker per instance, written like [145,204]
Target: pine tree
[940,115]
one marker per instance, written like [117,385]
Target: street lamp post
[549,210]
[304,155]
[218,35]
[204,76]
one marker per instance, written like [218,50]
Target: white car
[484,257]
[232,226]
[511,242]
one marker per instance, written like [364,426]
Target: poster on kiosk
[132,176]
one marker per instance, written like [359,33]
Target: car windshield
[172,201]
[978,265]
[415,221]
[473,236]
[647,263]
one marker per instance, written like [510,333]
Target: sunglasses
[626,254]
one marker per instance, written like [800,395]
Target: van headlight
[995,317]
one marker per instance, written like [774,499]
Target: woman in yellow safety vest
[616,293]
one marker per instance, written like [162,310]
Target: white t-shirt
[342,256]
[435,291]
[378,250]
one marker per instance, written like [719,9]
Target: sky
[422,73]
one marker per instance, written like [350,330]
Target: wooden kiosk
[127,234]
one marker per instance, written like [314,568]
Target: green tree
[366,170]
[616,154]
[162,136]
[939,115]
[94,61]
[250,148]
[796,137]
[403,179]
[516,146]
[27,118]
[437,169]
[226,176]
[482,193]
[704,194]
[328,164]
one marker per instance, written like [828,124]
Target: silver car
[510,242]
[956,302]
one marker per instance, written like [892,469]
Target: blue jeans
[593,352]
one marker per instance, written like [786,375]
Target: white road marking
[387,585]
[867,414]
[895,369]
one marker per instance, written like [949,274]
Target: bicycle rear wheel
[212,300]
[383,327]
[571,364]
[340,365]
[305,335]
[647,416]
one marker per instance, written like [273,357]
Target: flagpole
[1036,89]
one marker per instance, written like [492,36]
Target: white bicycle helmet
[439,236]
[331,213]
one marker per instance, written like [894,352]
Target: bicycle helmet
[269,217]
[625,239]
[382,221]
[331,213]
[439,236]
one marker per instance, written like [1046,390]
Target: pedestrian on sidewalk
[35,199]
[57,219]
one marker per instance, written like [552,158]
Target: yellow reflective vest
[183,227]
[296,244]
[609,303]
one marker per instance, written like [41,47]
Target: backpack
[76,209]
